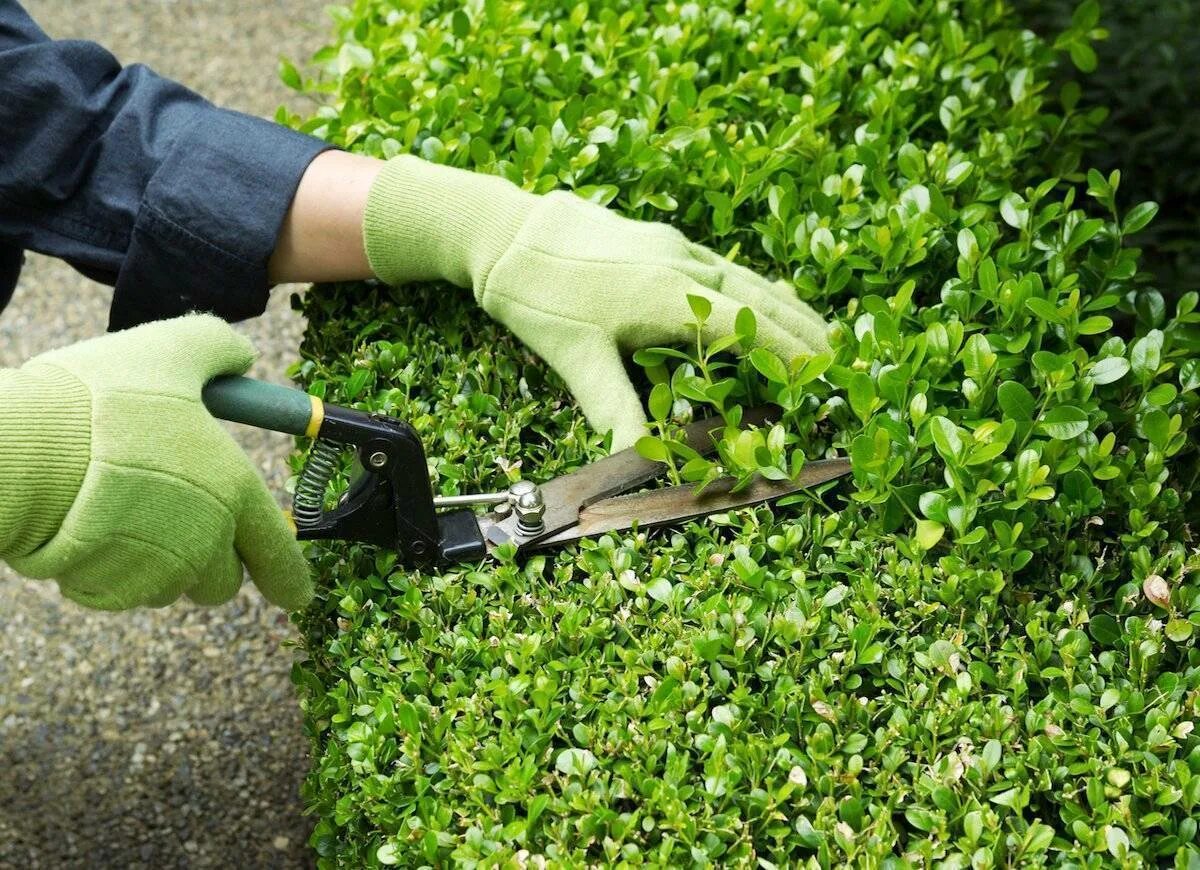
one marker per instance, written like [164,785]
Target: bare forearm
[321,237]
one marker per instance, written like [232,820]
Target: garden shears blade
[596,498]
[390,501]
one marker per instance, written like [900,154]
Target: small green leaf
[1139,216]
[460,24]
[929,533]
[700,306]
[289,75]
[835,595]
[769,365]
[746,326]
[946,438]
[1016,401]
[1146,354]
[660,402]
[575,762]
[652,448]
[1105,630]
[1108,370]
[1179,630]
[387,854]
[662,201]
[1064,422]
[659,589]
[861,395]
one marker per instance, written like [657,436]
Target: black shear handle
[391,503]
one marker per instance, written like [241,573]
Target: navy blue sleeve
[137,181]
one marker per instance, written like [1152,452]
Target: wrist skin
[321,236]
[400,220]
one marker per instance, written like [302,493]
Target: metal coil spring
[308,504]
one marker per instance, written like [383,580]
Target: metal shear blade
[595,498]
[674,504]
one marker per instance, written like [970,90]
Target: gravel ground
[159,738]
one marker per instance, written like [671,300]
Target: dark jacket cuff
[209,220]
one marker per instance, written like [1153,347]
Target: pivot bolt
[378,459]
[529,507]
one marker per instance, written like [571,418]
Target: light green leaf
[929,533]
[575,762]
[1064,422]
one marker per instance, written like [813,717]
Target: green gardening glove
[115,480]
[578,284]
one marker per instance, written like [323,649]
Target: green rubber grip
[267,406]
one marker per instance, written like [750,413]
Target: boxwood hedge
[1143,76]
[977,652]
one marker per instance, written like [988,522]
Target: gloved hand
[577,283]
[115,480]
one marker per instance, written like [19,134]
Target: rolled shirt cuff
[210,219]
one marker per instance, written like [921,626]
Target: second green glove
[117,482]
[580,285]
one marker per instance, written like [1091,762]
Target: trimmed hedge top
[977,652]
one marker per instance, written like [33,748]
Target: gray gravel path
[165,738]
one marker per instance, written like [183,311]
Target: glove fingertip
[220,348]
[297,593]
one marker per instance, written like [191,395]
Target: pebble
[134,740]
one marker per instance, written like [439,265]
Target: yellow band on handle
[317,418]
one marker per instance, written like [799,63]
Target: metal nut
[529,507]
[378,459]
[520,488]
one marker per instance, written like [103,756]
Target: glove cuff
[424,222]
[45,448]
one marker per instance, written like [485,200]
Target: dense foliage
[1145,75]
[978,652]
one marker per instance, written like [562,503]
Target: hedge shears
[390,501]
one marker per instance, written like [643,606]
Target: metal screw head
[520,488]
[378,459]
[530,509]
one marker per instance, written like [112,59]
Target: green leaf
[662,202]
[946,438]
[575,762]
[659,589]
[660,402]
[1038,839]
[1064,422]
[289,75]
[1016,401]
[1108,370]
[652,448]
[1105,630]
[460,24]
[861,394]
[746,326]
[1139,217]
[1179,630]
[921,819]
[1146,355]
[1083,56]
[537,806]
[929,533]
[1014,210]
[700,306]
[768,365]
[387,854]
